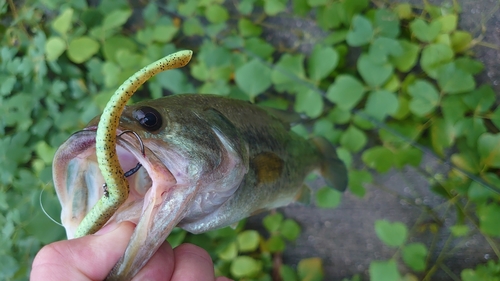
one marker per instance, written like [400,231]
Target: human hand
[91,258]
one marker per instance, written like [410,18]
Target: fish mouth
[79,182]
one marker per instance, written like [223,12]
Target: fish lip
[81,145]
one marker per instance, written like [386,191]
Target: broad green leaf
[361,32]
[8,267]
[434,56]
[403,10]
[192,26]
[383,48]
[164,33]
[480,100]
[54,47]
[245,266]
[324,127]
[327,197]
[287,273]
[310,269]
[248,240]
[469,65]
[453,80]
[116,18]
[316,3]
[461,41]
[259,47]
[82,48]
[442,135]
[62,23]
[245,7]
[379,158]
[386,23]
[274,7]
[353,139]
[495,117]
[374,73]
[489,220]
[322,62]
[381,103]
[424,97]
[248,28]
[114,44]
[309,102]
[489,149]
[403,108]
[392,234]
[453,108]
[357,179]
[471,128]
[407,156]
[351,8]
[229,253]
[287,73]
[478,193]
[384,271]
[339,116]
[290,229]
[414,255]
[448,22]
[345,92]
[405,61]
[275,244]
[459,230]
[329,16]
[216,14]
[253,78]
[423,31]
[273,222]
[466,161]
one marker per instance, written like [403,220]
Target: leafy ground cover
[386,83]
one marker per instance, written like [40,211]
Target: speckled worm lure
[107,158]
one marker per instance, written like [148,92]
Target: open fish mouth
[80,182]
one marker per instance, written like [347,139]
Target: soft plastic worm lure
[114,176]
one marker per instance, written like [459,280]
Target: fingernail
[107,228]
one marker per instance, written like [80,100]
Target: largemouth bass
[205,162]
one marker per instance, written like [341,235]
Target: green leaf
[322,62]
[386,23]
[442,135]
[259,47]
[489,149]
[164,33]
[116,18]
[327,197]
[339,116]
[310,269]
[274,7]
[379,158]
[361,32]
[272,222]
[478,193]
[290,229]
[423,31]
[245,266]
[82,49]
[471,128]
[381,103]
[248,28]
[192,26]
[62,23]
[384,271]
[287,273]
[329,16]
[489,220]
[114,44]
[8,267]
[459,230]
[216,14]
[253,78]
[353,139]
[374,73]
[434,56]
[357,178]
[461,41]
[287,72]
[54,47]
[309,102]
[407,156]
[405,61]
[414,255]
[345,92]
[469,65]
[392,234]
[453,80]
[448,22]
[424,97]
[248,240]
[275,244]
[403,10]
[382,48]
[245,7]
[480,100]
[316,3]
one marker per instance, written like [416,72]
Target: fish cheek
[268,167]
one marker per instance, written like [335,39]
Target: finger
[87,258]
[160,267]
[192,263]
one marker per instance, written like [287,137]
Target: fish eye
[148,117]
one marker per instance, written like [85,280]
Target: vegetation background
[394,86]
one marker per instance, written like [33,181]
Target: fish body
[207,162]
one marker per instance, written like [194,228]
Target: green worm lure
[107,158]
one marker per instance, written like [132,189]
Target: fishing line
[43,209]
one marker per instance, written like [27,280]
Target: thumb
[87,258]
